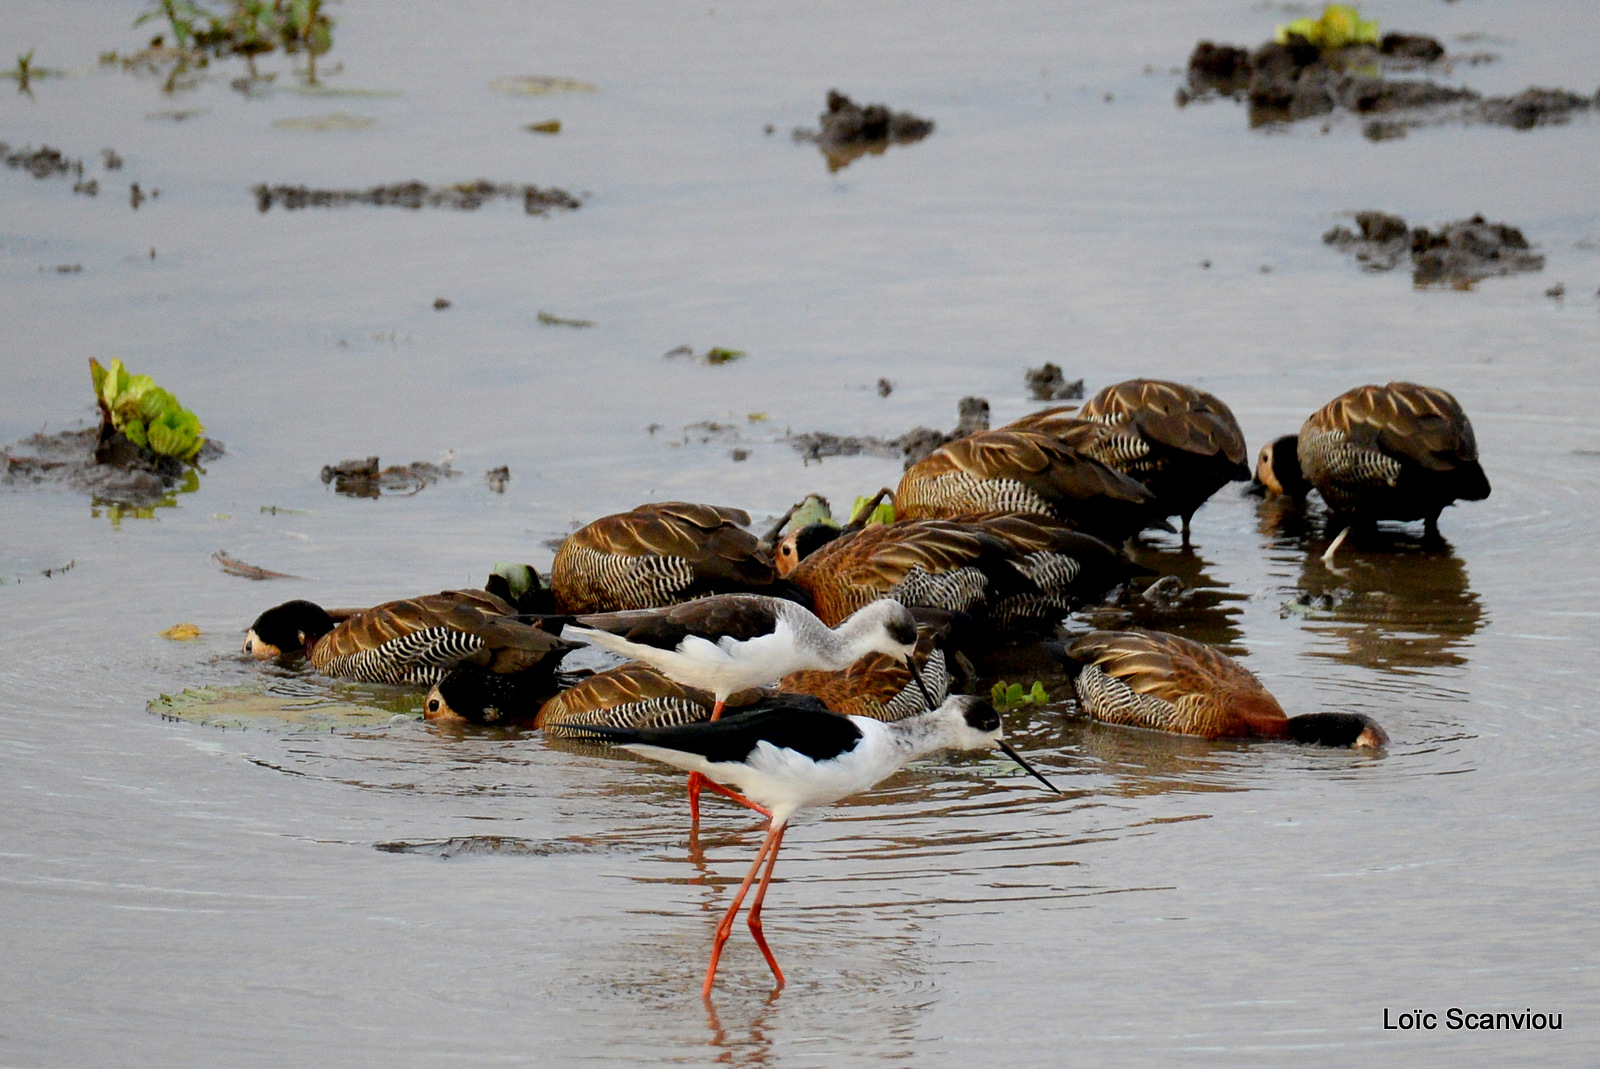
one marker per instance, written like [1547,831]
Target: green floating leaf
[882,513]
[1340,26]
[719,355]
[149,416]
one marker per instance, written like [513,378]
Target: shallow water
[178,893]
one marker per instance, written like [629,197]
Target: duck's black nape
[812,537]
[1337,729]
[492,698]
[292,625]
[535,600]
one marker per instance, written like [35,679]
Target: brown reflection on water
[1389,600]
[1204,609]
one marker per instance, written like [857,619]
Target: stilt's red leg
[698,781]
[736,796]
[725,928]
[755,908]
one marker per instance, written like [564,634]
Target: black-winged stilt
[731,642]
[791,752]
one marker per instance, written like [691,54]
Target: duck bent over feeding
[1155,680]
[412,642]
[1394,452]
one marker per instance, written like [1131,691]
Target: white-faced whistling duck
[1150,679]
[1013,568]
[632,695]
[659,554]
[789,752]
[726,643]
[1395,452]
[1028,473]
[414,642]
[1182,443]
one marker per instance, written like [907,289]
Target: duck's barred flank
[1342,470]
[1123,448]
[958,493]
[1049,571]
[618,582]
[1021,612]
[957,590]
[1108,698]
[421,658]
[650,713]
[909,702]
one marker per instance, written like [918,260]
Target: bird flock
[799,668]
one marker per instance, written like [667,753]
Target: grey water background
[176,894]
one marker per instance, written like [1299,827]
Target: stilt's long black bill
[927,695]
[1015,756]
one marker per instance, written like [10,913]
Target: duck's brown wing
[1022,471]
[1158,680]
[419,639]
[1048,421]
[632,695]
[1173,415]
[658,554]
[887,560]
[1422,424]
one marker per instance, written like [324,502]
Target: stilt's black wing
[795,722]
[736,616]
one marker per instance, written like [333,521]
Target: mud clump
[366,478]
[462,196]
[1458,254]
[1294,79]
[1533,107]
[101,463]
[848,130]
[1049,384]
[47,162]
[972,415]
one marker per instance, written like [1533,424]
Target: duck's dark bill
[911,663]
[1015,756]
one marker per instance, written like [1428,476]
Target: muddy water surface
[177,893]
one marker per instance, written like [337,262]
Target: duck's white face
[261,651]
[787,556]
[436,708]
[1264,471]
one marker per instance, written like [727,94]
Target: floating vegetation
[553,126]
[1006,697]
[714,355]
[287,708]
[882,511]
[234,566]
[338,122]
[540,85]
[148,416]
[1339,27]
[243,28]
[463,196]
[181,632]
[550,320]
[25,73]
[1047,383]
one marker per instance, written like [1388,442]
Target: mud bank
[1295,80]
[1458,254]
[367,478]
[111,469]
[912,446]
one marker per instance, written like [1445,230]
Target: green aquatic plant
[1340,26]
[718,355]
[147,415]
[24,71]
[1008,697]
[882,512]
[247,28]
